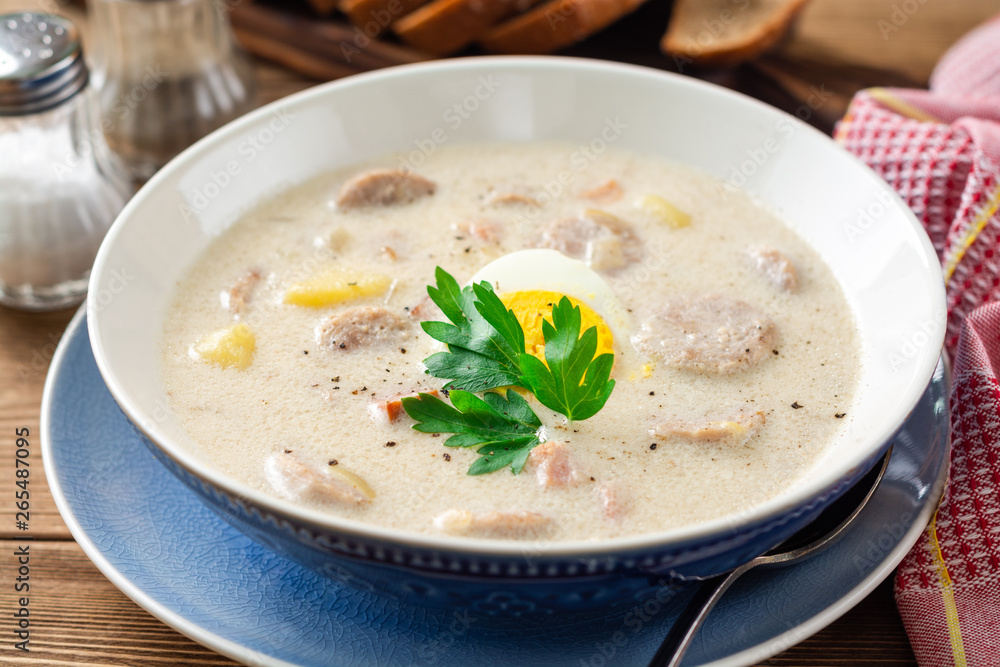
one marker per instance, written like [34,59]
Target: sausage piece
[775,266]
[383,187]
[601,240]
[607,192]
[707,334]
[512,524]
[480,230]
[427,311]
[611,502]
[552,465]
[361,327]
[294,479]
[738,428]
[238,296]
[512,196]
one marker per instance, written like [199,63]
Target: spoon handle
[709,591]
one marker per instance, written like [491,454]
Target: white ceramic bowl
[875,246]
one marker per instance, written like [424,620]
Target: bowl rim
[774,510]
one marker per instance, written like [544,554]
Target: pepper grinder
[60,187]
[168,74]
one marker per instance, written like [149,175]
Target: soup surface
[289,342]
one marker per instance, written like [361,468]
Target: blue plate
[155,541]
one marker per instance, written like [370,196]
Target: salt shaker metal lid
[41,63]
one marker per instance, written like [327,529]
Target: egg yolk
[532,306]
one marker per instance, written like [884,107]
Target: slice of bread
[374,16]
[554,25]
[446,26]
[725,32]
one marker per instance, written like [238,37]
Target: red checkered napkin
[940,149]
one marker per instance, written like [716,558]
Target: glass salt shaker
[168,74]
[60,187]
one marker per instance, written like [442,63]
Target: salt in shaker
[60,187]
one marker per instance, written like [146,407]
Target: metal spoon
[815,536]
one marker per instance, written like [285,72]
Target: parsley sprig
[503,429]
[486,351]
[573,383]
[484,340]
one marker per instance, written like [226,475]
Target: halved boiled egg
[531,282]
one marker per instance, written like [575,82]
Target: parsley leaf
[573,383]
[484,340]
[504,429]
[486,351]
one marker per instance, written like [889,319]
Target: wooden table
[78,617]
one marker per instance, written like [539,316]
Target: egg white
[550,270]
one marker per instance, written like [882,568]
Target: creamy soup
[289,342]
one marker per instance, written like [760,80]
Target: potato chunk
[336,286]
[664,210]
[605,254]
[232,347]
